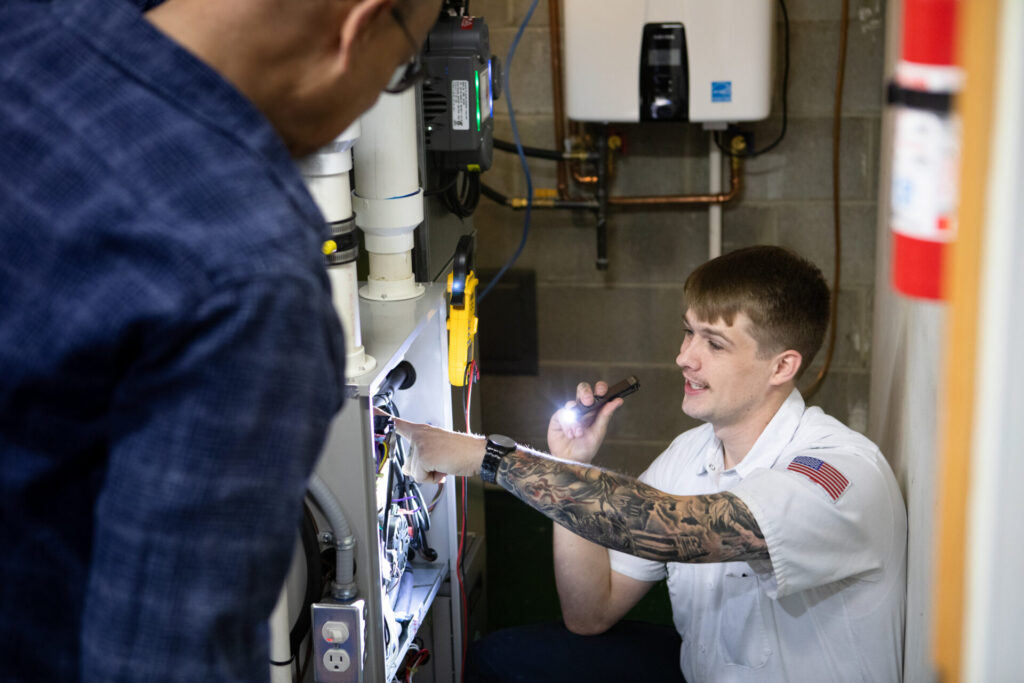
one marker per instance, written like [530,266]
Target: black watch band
[498,447]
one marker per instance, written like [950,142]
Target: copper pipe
[664,200]
[555,36]
[584,179]
[691,199]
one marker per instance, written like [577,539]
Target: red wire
[462,585]
[471,377]
[416,660]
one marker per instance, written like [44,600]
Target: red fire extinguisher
[926,148]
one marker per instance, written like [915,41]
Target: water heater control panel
[669,60]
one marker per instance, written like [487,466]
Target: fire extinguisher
[926,148]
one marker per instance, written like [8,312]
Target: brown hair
[783,294]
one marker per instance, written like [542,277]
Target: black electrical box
[458,94]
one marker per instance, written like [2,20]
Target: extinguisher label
[460,105]
[929,77]
[926,157]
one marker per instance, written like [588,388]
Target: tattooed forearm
[619,512]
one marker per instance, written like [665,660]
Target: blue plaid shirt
[169,355]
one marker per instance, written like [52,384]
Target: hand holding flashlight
[576,431]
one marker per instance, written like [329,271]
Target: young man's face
[726,382]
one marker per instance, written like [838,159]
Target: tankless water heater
[668,60]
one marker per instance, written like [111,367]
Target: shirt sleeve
[217,424]
[819,530]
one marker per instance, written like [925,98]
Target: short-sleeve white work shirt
[829,605]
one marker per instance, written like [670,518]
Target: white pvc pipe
[388,200]
[326,173]
[280,644]
[386,157]
[714,210]
[391,266]
[345,292]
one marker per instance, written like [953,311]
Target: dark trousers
[631,651]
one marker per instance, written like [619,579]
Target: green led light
[477,101]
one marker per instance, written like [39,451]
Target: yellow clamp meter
[462,320]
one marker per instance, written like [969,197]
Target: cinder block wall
[627,320]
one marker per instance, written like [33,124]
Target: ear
[786,366]
[357,23]
[355,29]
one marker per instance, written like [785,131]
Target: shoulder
[118,133]
[828,460]
[818,428]
[822,436]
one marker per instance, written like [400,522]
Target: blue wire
[519,149]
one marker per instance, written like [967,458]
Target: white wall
[907,362]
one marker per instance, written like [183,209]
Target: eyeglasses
[413,72]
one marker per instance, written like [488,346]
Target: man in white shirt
[782,533]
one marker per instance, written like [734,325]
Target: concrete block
[498,13]
[557,248]
[654,413]
[520,8]
[522,405]
[814,52]
[592,324]
[656,246]
[530,76]
[800,168]
[853,336]
[807,228]
[844,396]
[507,173]
[822,10]
[746,224]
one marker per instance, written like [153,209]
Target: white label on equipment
[926,157]
[460,105]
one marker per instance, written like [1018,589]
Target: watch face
[502,442]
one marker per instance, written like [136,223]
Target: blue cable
[519,149]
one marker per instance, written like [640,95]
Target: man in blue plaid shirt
[169,355]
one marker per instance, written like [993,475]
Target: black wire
[462,198]
[409,494]
[785,103]
[303,667]
[537,152]
[314,577]
[492,194]
[441,190]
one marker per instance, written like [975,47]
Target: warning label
[460,105]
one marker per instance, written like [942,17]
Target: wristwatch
[498,447]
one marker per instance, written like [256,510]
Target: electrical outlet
[337,660]
[339,642]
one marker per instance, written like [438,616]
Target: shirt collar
[766,449]
[116,29]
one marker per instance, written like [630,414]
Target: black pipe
[492,194]
[550,154]
[505,146]
[602,204]
[519,204]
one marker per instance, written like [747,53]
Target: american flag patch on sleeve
[821,473]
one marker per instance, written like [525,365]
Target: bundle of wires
[403,494]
